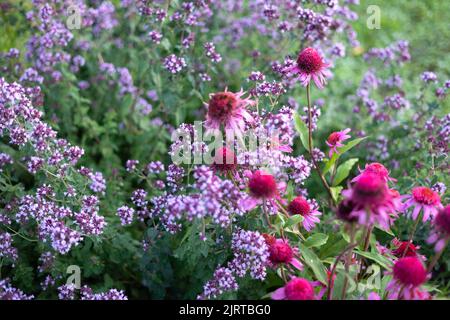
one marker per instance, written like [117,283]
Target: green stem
[365,247]
[333,269]
[266,215]
[283,274]
[348,262]
[316,166]
[411,236]
[16,233]
[437,256]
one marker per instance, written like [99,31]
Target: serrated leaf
[343,170]
[329,164]
[313,261]
[302,130]
[316,240]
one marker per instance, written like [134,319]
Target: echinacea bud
[262,185]
[442,220]
[269,239]
[410,271]
[299,206]
[405,246]
[299,289]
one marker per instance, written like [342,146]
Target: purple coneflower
[307,209]
[310,65]
[228,109]
[423,199]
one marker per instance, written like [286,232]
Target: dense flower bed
[218,149]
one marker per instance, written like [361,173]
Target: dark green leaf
[314,263]
[378,258]
[316,240]
[335,192]
[343,170]
[293,220]
[302,130]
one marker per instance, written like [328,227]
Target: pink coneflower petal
[297,264]
[279,294]
[416,212]
[440,245]
[228,109]
[248,203]
[373,296]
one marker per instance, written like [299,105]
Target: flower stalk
[316,166]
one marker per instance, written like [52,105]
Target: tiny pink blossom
[440,234]
[281,252]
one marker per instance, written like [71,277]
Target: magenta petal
[297,264]
[440,245]
[278,294]
[248,203]
[416,212]
[281,186]
[285,148]
[373,296]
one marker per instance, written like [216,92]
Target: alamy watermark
[199,145]
[374,19]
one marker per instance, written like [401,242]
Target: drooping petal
[297,264]
[279,294]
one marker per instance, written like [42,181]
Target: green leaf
[388,231]
[166,44]
[316,240]
[290,190]
[314,263]
[335,192]
[333,247]
[378,258]
[293,220]
[279,220]
[302,130]
[343,170]
[329,164]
